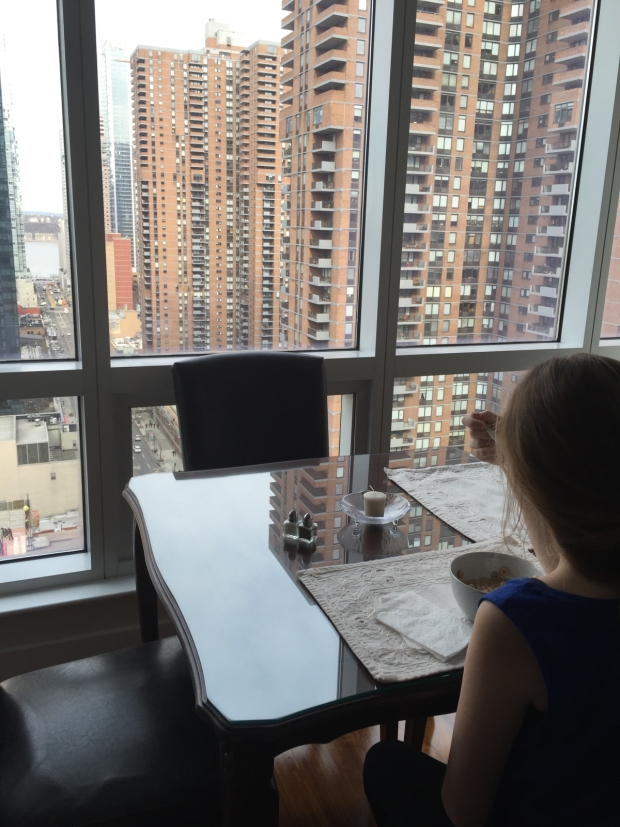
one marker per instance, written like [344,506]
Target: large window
[422,193]
[491,174]
[232,176]
[36,314]
[41,482]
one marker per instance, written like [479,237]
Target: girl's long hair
[559,446]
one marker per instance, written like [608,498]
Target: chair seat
[108,740]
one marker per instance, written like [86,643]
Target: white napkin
[422,623]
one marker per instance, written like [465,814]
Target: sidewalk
[157,442]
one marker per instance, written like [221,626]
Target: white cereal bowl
[476,564]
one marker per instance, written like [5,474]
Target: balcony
[548,251]
[410,318]
[416,208]
[411,283]
[336,17]
[421,149]
[319,335]
[540,330]
[541,290]
[402,424]
[320,262]
[314,298]
[553,231]
[563,146]
[571,78]
[322,205]
[556,189]
[322,185]
[573,55]
[570,34]
[324,146]
[331,62]
[322,225]
[554,209]
[333,41]
[568,167]
[415,228]
[410,301]
[542,310]
[321,243]
[288,41]
[417,264]
[419,245]
[406,387]
[322,318]
[329,81]
[416,189]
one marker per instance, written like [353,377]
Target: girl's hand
[482,444]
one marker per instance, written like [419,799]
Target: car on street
[138,438]
[137,449]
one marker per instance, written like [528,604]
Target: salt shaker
[290,526]
[307,529]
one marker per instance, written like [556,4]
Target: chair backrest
[250,408]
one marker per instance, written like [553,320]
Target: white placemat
[470,498]
[351,594]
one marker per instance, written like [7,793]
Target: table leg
[145,592]
[414,732]
[389,731]
[249,794]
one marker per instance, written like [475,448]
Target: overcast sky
[30,76]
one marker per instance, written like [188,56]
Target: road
[145,462]
[62,321]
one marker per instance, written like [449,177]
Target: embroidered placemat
[351,594]
[470,498]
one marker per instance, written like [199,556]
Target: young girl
[537,733]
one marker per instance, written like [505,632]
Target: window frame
[109,389]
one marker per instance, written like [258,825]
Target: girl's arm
[501,680]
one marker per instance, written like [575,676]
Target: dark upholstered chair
[108,740]
[250,408]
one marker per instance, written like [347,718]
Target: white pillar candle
[374,503]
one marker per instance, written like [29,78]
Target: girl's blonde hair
[559,446]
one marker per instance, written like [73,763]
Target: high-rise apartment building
[9,251]
[496,107]
[322,124]
[207,174]
[115,108]
[119,272]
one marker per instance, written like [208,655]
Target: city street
[153,445]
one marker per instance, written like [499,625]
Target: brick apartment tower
[495,112]
[119,272]
[260,203]
[206,161]
[322,124]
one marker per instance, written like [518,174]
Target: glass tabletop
[265,648]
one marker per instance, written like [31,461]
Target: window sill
[63,595]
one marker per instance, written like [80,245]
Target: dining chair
[250,408]
[110,740]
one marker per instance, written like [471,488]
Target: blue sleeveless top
[564,768]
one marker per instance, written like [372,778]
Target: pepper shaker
[290,526]
[307,529]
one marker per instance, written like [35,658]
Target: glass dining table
[269,669]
